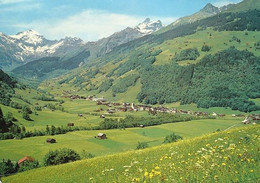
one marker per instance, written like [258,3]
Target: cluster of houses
[131,107]
[252,118]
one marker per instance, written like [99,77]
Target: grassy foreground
[228,156]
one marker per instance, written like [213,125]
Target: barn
[51,140]
[101,136]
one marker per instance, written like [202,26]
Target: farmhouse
[25,159]
[51,140]
[101,136]
[70,124]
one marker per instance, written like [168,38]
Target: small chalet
[246,121]
[25,159]
[51,141]
[101,136]
[70,124]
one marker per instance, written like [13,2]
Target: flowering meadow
[228,156]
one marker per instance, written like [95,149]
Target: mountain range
[24,47]
[27,46]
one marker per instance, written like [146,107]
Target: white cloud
[12,1]
[21,8]
[221,3]
[89,25]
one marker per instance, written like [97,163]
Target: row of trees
[50,130]
[132,121]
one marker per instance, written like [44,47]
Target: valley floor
[118,140]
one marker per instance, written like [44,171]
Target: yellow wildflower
[251,171]
[151,175]
[224,164]
[157,173]
[157,168]
[146,174]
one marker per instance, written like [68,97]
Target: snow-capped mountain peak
[148,26]
[30,36]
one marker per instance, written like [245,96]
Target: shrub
[188,54]
[171,138]
[28,166]
[205,48]
[142,145]
[7,167]
[61,156]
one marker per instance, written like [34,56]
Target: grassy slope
[245,6]
[229,156]
[118,140]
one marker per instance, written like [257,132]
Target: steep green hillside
[7,85]
[168,66]
[229,156]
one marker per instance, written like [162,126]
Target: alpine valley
[150,103]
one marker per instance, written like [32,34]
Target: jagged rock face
[105,45]
[148,26]
[209,8]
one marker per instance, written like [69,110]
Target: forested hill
[226,79]
[7,85]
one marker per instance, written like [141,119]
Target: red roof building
[24,159]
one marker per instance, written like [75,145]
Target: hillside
[167,67]
[207,11]
[49,67]
[221,157]
[245,5]
[7,85]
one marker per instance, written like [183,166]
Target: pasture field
[56,118]
[118,140]
[227,156]
[217,41]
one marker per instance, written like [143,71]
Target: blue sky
[91,19]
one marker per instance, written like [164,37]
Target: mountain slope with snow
[106,45]
[29,45]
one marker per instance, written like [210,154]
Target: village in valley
[115,107]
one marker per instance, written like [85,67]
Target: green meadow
[118,140]
[228,156]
